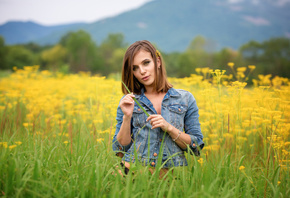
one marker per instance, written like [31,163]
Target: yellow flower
[18,142]
[231,64]
[252,67]
[200,161]
[25,124]
[242,168]
[12,146]
[241,69]
[278,182]
[4,144]
[158,53]
[65,142]
[100,139]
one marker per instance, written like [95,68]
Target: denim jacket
[179,109]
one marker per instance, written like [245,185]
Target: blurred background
[70,36]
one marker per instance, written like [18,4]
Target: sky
[57,12]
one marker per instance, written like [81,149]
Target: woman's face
[143,68]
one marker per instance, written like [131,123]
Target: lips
[145,78]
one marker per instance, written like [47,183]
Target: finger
[127,102]
[131,96]
[155,123]
[151,117]
[156,120]
[129,99]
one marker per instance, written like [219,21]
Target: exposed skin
[143,70]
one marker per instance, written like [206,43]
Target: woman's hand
[127,105]
[157,120]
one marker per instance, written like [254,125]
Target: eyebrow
[147,59]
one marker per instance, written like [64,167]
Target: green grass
[5,73]
[44,166]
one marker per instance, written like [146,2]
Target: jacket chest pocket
[177,113]
[139,117]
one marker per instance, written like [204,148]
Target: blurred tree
[171,63]
[19,56]
[270,57]
[195,56]
[197,44]
[115,41]
[3,57]
[36,48]
[54,57]
[112,59]
[223,57]
[116,60]
[186,64]
[81,50]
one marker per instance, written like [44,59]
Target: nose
[142,70]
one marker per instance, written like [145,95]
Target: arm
[192,126]
[122,138]
[181,139]
[124,135]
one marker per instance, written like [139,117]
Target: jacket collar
[173,93]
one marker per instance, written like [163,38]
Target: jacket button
[155,154]
[120,148]
[160,140]
[193,145]
[152,163]
[139,109]
[179,109]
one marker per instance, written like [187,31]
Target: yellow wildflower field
[243,120]
[56,132]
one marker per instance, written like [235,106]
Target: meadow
[56,134]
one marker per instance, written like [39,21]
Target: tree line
[76,51]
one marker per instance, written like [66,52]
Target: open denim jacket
[180,110]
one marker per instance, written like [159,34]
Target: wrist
[170,129]
[125,117]
[174,139]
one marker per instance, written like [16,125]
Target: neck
[150,90]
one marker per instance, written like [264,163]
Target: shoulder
[182,93]
[184,97]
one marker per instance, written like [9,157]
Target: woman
[172,111]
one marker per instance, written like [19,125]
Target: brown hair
[161,83]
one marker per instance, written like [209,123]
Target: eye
[146,62]
[135,68]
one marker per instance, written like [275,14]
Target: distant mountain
[23,32]
[172,24]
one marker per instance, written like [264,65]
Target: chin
[148,83]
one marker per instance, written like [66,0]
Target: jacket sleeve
[117,146]
[192,126]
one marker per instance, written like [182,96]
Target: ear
[158,62]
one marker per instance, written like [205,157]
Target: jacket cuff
[195,145]
[117,147]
